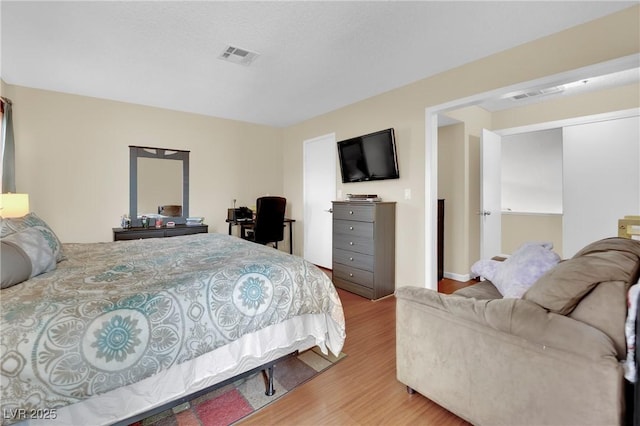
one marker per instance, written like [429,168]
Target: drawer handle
[351,259]
[350,243]
[350,211]
[350,274]
[351,228]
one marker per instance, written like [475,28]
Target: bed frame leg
[269,378]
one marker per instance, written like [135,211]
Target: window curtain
[8,149]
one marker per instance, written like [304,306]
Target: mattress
[119,328]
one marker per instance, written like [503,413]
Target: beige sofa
[550,358]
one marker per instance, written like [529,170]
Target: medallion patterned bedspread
[115,313]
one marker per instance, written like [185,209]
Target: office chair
[268,226]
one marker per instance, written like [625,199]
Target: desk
[242,223]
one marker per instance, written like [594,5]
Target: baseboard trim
[457,277]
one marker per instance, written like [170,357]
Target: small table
[120,234]
[243,223]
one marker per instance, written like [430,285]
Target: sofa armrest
[517,317]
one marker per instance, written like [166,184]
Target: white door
[319,174]
[490,195]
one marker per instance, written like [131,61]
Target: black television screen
[369,157]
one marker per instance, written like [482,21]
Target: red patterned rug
[231,403]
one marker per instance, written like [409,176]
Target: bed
[118,329]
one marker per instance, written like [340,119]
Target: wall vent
[537,92]
[238,55]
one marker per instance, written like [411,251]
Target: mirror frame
[136,152]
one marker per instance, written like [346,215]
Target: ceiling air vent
[238,55]
[537,92]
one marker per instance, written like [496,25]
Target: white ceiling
[314,57]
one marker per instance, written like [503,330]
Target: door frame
[431,145]
[490,215]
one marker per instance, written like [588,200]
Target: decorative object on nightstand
[364,254]
[195,221]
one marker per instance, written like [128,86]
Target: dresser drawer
[355,275]
[137,235]
[350,227]
[359,212]
[354,259]
[187,230]
[352,243]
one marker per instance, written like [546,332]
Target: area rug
[233,402]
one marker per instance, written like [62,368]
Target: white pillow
[523,268]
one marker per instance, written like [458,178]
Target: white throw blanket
[630,371]
[521,270]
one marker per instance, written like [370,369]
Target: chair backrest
[269,225]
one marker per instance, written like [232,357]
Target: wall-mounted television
[369,157]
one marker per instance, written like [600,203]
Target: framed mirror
[158,183]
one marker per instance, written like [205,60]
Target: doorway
[319,190]
[431,143]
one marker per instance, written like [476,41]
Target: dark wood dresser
[120,234]
[440,239]
[364,254]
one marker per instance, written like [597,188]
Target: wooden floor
[362,389]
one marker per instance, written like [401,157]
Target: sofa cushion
[615,244]
[481,291]
[605,308]
[516,317]
[609,260]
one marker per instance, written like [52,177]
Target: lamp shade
[14,205]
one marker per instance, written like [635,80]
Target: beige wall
[72,158]
[561,108]
[609,38]
[520,227]
[462,223]
[452,187]
[367,116]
